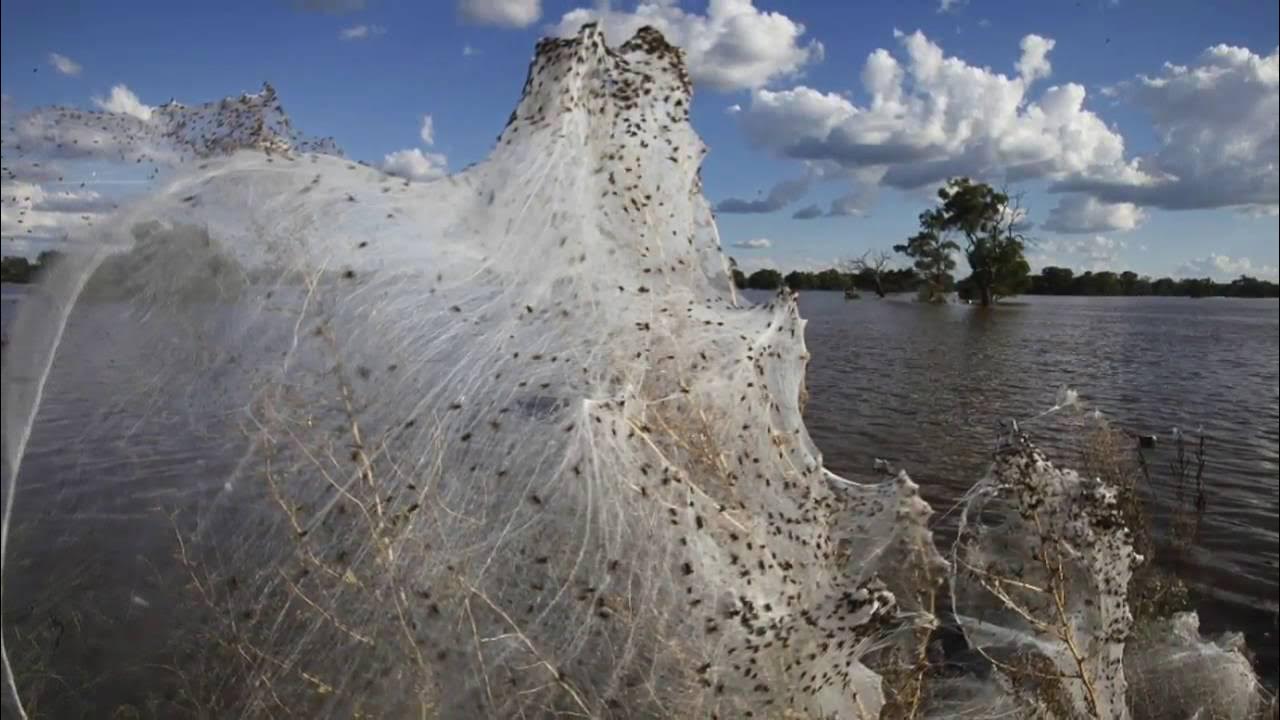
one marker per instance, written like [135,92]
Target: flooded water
[926,388]
[923,387]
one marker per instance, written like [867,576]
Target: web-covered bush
[508,444]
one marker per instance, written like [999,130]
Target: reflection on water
[923,387]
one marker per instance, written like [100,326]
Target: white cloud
[733,46]
[1034,63]
[505,13]
[74,202]
[856,203]
[1224,267]
[468,51]
[413,164]
[1084,214]
[361,32]
[780,195]
[123,101]
[1218,132]
[28,210]
[1095,253]
[1038,260]
[930,117]
[754,244]
[64,64]
[946,6]
[37,139]
[428,131]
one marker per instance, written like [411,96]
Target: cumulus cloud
[781,195]
[361,32]
[807,212]
[1225,267]
[1084,214]
[1096,253]
[39,139]
[1034,63]
[733,46]
[856,203]
[1218,132]
[124,101]
[754,244]
[74,202]
[413,164]
[930,117]
[28,210]
[64,64]
[504,13]
[428,130]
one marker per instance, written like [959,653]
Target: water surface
[926,388]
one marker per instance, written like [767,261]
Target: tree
[1129,282]
[988,221]
[831,279]
[797,280]
[872,266]
[1055,280]
[16,270]
[47,258]
[765,279]
[932,255]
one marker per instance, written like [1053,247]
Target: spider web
[504,444]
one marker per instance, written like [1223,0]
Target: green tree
[47,258]
[988,221]
[799,280]
[931,252]
[766,279]
[1129,282]
[831,279]
[16,270]
[1057,280]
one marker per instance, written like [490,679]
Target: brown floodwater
[927,388]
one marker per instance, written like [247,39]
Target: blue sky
[1166,166]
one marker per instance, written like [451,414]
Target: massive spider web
[504,444]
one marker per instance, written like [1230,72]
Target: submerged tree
[989,222]
[931,251]
[871,265]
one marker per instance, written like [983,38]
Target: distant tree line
[892,281]
[1050,281]
[19,269]
[1062,281]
